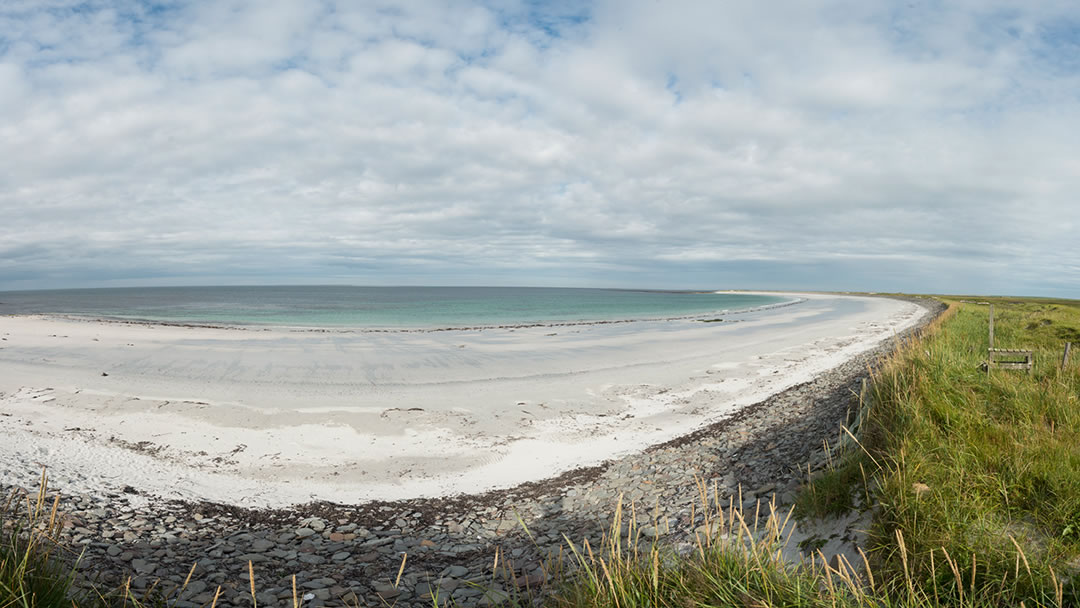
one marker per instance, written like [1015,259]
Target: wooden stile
[1010,358]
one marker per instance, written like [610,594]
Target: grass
[973,478]
[31,574]
[737,564]
[832,492]
[980,471]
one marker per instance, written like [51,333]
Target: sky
[928,147]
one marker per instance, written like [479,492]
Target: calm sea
[374,307]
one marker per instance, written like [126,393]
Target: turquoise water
[375,307]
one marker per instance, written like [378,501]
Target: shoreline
[267,419]
[346,329]
[336,550]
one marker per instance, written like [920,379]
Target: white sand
[278,417]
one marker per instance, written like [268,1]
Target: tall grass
[980,470]
[974,477]
[32,572]
[740,562]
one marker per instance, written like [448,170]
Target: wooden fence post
[1065,357]
[991,326]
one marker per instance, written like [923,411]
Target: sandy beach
[275,417]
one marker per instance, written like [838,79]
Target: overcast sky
[917,146]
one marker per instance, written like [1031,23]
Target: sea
[340,306]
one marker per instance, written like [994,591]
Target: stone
[455,571]
[262,545]
[426,591]
[142,566]
[366,558]
[530,581]
[193,588]
[493,598]
[388,594]
[466,592]
[254,558]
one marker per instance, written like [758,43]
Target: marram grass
[980,470]
[731,562]
[30,572]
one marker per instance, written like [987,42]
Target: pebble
[262,545]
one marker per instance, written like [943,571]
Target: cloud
[845,146]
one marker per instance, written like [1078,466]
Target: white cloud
[828,145]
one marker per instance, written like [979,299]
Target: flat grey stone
[261,545]
[456,571]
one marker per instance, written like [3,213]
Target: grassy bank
[32,571]
[974,477]
[980,470]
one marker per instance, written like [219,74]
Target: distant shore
[375,308]
[276,418]
[382,330]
